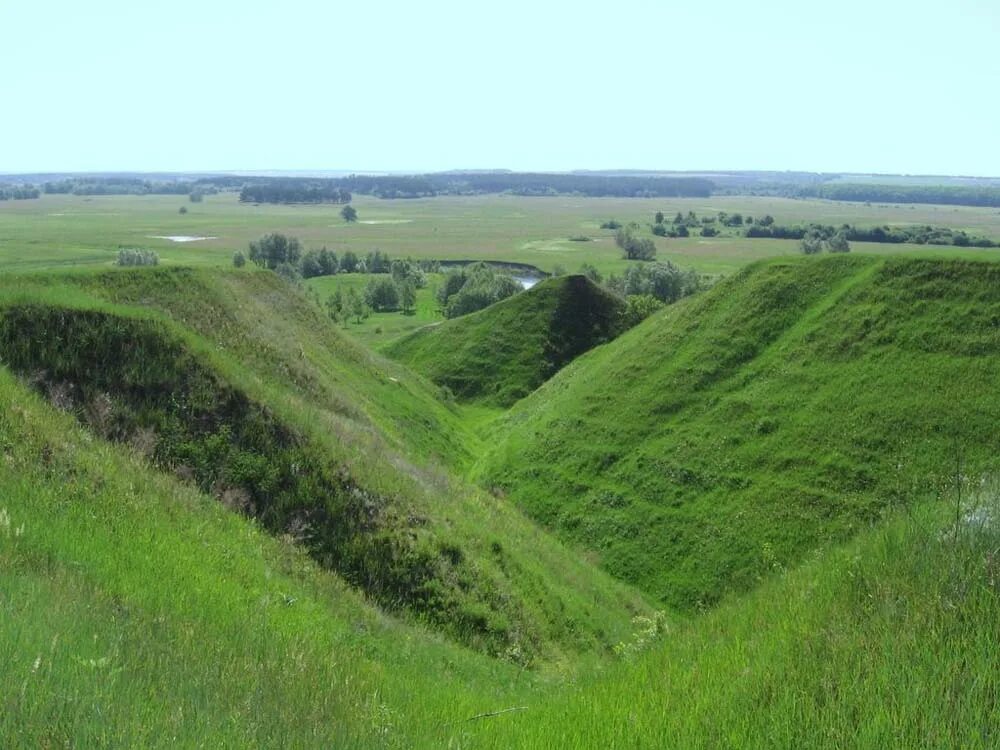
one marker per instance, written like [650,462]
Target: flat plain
[57,231]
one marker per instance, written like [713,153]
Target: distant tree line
[339,189]
[18,192]
[294,191]
[124,186]
[951,195]
[917,235]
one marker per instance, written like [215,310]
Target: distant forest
[981,192]
[956,195]
[296,190]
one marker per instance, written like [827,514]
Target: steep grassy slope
[137,612]
[501,354]
[890,642]
[234,383]
[788,406]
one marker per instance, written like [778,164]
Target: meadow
[64,230]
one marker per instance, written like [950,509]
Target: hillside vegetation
[501,354]
[789,406]
[223,523]
[237,385]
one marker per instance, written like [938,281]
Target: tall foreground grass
[890,642]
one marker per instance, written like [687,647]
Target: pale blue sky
[873,85]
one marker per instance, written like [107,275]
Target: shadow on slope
[501,354]
[297,443]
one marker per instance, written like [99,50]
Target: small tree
[659,230]
[407,295]
[659,217]
[239,259]
[811,244]
[182,210]
[838,243]
[634,248]
[335,305]
[195,196]
[349,262]
[349,213]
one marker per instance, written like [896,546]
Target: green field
[55,230]
[767,516]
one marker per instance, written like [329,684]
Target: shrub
[134,256]
[239,259]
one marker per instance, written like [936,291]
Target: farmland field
[57,231]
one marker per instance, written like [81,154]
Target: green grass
[246,387]
[777,458]
[788,407]
[891,641]
[60,230]
[137,612]
[500,354]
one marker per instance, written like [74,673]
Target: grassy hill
[750,437]
[234,383]
[501,354]
[789,406]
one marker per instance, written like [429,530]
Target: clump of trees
[346,306]
[661,280]
[474,287]
[634,247]
[321,262]
[136,256]
[275,250]
[814,242]
[917,235]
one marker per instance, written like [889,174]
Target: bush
[134,256]
[709,231]
[611,224]
[239,259]
[633,247]
[637,308]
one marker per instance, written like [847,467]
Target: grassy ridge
[787,407]
[501,354]
[890,641]
[137,612]
[316,437]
